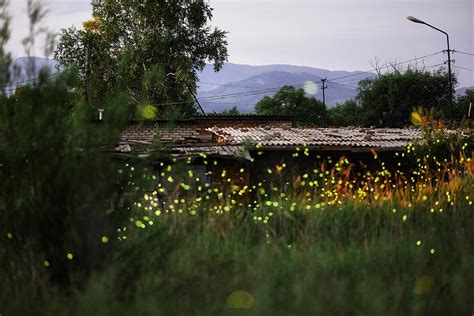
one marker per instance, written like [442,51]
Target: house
[245,148]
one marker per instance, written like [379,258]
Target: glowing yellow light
[104,239]
[240,300]
[69,256]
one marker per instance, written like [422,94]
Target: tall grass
[378,243]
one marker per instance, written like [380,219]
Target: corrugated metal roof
[191,140]
[332,137]
[217,150]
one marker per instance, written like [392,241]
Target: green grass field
[371,246]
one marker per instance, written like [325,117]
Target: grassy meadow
[333,242]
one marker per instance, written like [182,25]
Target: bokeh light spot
[240,300]
[424,285]
[310,87]
[148,112]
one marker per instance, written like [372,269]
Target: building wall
[298,166]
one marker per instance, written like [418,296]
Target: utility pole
[324,87]
[450,82]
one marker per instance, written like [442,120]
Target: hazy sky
[330,34]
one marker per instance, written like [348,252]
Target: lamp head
[415,20]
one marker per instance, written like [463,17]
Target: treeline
[383,101]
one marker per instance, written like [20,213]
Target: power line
[354,87]
[267,90]
[224,85]
[434,66]
[465,53]
[468,69]
[250,92]
[342,85]
[232,95]
[16,84]
[247,87]
[210,98]
[388,66]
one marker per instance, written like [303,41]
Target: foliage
[388,99]
[293,102]
[345,114]
[445,145]
[57,185]
[5,32]
[232,111]
[462,104]
[133,45]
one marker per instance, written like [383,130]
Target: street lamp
[415,20]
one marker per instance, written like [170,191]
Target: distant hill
[462,91]
[236,82]
[25,68]
[236,72]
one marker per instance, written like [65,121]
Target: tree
[5,33]
[232,111]
[461,108]
[388,99]
[59,192]
[294,102]
[345,114]
[132,45]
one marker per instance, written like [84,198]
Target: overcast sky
[329,34]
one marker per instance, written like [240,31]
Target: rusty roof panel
[344,137]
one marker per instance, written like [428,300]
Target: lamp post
[415,20]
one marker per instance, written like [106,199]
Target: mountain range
[241,85]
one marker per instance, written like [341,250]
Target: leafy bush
[439,145]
